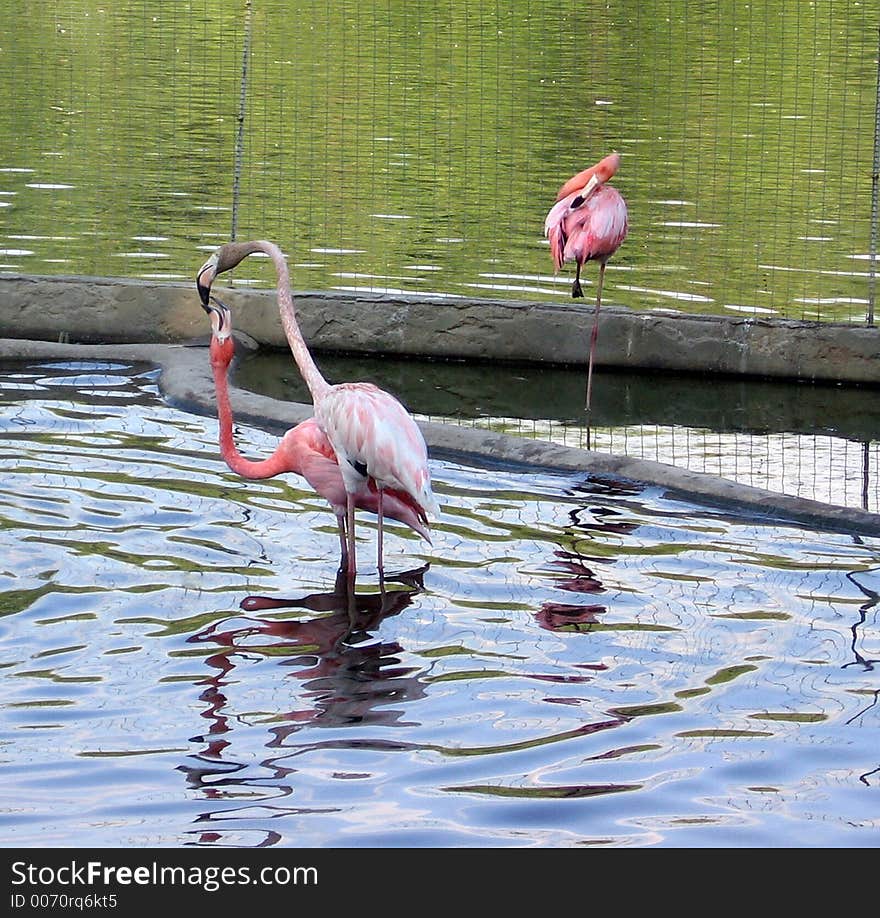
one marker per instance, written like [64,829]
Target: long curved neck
[307,367]
[265,468]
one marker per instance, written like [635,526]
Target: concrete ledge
[186,382]
[92,310]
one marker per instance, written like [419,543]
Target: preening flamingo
[588,222]
[378,446]
[304,450]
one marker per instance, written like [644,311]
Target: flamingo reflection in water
[580,573]
[349,677]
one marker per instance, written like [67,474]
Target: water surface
[572,662]
[423,151]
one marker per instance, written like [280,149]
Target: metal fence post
[242,107]
[875,180]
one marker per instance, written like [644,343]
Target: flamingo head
[586,182]
[221,320]
[607,167]
[602,172]
[225,259]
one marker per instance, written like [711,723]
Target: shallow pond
[423,152]
[820,442]
[571,663]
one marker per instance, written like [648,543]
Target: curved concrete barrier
[186,382]
[99,310]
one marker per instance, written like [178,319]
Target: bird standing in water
[304,450]
[378,446]
[588,222]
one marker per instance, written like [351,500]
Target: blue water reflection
[572,663]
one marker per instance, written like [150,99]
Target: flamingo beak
[593,183]
[585,192]
[221,318]
[204,279]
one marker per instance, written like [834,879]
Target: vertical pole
[242,108]
[875,182]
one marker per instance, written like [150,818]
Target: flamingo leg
[349,512]
[576,290]
[380,534]
[343,544]
[593,338]
[351,606]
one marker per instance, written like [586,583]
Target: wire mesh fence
[809,441]
[417,147]
[826,468]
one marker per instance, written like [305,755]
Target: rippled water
[422,154]
[571,663]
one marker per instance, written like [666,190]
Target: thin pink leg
[349,512]
[593,338]
[343,544]
[380,560]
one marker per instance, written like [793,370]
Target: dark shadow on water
[873,598]
[530,392]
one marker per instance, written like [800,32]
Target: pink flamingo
[379,449]
[588,222]
[304,450]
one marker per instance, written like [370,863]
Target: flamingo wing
[555,231]
[313,457]
[374,437]
[316,461]
[597,227]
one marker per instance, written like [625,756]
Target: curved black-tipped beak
[204,279]
[204,294]
[221,317]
